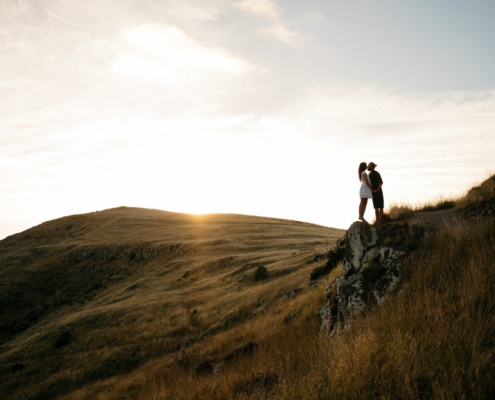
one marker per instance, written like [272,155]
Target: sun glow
[230,108]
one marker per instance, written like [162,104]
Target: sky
[257,107]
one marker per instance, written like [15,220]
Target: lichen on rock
[360,237]
[369,273]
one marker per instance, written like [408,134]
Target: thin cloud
[167,53]
[279,32]
[264,8]
[271,11]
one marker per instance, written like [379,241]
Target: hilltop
[139,304]
[87,297]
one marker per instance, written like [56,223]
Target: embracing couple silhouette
[371,188]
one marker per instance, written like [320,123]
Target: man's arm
[380,182]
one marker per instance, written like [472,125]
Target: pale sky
[255,107]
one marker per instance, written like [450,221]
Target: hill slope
[88,297]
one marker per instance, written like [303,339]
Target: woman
[365,192]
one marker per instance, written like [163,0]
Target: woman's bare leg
[362,208]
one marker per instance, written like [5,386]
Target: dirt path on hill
[437,219]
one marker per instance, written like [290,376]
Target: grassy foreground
[94,299]
[434,338]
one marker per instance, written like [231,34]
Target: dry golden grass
[398,211]
[81,304]
[481,194]
[401,211]
[432,339]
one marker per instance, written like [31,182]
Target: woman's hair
[362,167]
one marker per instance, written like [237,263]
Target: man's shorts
[378,200]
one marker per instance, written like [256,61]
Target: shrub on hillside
[64,339]
[397,212]
[480,200]
[335,256]
[442,204]
[261,274]
[404,236]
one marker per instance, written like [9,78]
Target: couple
[371,188]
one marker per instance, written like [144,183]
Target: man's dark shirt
[375,180]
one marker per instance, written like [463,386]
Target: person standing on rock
[376,187]
[365,191]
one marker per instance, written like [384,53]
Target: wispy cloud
[263,8]
[280,32]
[271,12]
[167,54]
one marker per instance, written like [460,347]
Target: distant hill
[133,303]
[89,297]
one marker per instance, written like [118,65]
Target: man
[376,185]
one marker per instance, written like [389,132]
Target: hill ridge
[228,312]
[96,272]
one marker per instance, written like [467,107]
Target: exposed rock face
[370,273]
[350,293]
[386,283]
[358,239]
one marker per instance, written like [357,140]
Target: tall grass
[397,212]
[435,339]
[400,210]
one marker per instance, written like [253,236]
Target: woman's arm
[367,181]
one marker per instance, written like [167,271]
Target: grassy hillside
[152,305]
[433,339]
[90,300]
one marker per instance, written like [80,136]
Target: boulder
[328,317]
[387,281]
[369,273]
[350,293]
[359,238]
[336,315]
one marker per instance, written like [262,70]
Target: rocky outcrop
[369,272]
[359,238]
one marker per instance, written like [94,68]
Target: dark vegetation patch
[205,368]
[241,351]
[404,236]
[484,208]
[17,367]
[291,316]
[441,205]
[335,256]
[261,274]
[262,381]
[122,363]
[64,339]
[37,292]
[208,366]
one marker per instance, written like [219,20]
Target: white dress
[365,191]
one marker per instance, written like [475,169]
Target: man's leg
[380,216]
[378,205]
